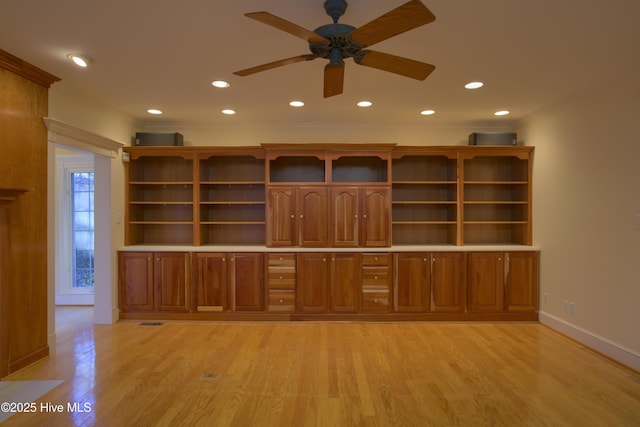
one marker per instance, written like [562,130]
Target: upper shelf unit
[496,189]
[439,195]
[232,199]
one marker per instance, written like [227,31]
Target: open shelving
[231,199]
[424,199]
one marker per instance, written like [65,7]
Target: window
[81,186]
[74,257]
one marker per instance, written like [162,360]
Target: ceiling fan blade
[275,64]
[284,25]
[410,15]
[395,64]
[333,79]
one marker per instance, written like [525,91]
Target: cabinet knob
[375,258]
[355,216]
[375,277]
[364,216]
[157,259]
[425,260]
[280,277]
[324,259]
[281,300]
[223,259]
[375,300]
[149,259]
[301,216]
[281,258]
[293,216]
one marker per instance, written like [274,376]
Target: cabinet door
[313,273]
[135,281]
[411,277]
[210,275]
[486,281]
[448,282]
[344,216]
[281,217]
[312,209]
[375,224]
[521,288]
[345,282]
[246,281]
[171,277]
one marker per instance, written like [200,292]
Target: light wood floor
[328,374]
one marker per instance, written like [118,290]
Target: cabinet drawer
[375,299]
[376,259]
[281,259]
[281,280]
[281,300]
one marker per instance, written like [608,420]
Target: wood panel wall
[23,164]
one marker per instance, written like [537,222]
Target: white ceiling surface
[164,54]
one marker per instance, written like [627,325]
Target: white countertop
[262,248]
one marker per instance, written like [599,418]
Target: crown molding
[26,70]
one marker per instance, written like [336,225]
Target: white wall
[587,216]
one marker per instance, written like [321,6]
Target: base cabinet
[369,285]
[228,281]
[154,281]
[328,282]
[429,282]
[503,281]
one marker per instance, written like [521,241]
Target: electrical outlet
[572,308]
[566,305]
[545,299]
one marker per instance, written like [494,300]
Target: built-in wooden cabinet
[429,282]
[360,216]
[328,282]
[299,230]
[154,281]
[297,216]
[503,281]
[228,281]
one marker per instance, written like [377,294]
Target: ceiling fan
[337,41]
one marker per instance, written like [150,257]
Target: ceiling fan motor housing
[338,36]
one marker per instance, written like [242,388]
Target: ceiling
[164,54]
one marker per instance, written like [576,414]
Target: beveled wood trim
[24,69]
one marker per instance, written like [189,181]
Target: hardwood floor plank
[185,373]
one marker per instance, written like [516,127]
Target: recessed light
[228,112]
[80,61]
[220,84]
[296,104]
[474,85]
[502,112]
[365,104]
[427,112]
[154,111]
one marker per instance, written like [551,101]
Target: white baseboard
[51,342]
[616,351]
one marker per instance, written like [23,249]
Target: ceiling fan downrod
[335,8]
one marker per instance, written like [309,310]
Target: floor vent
[151,324]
